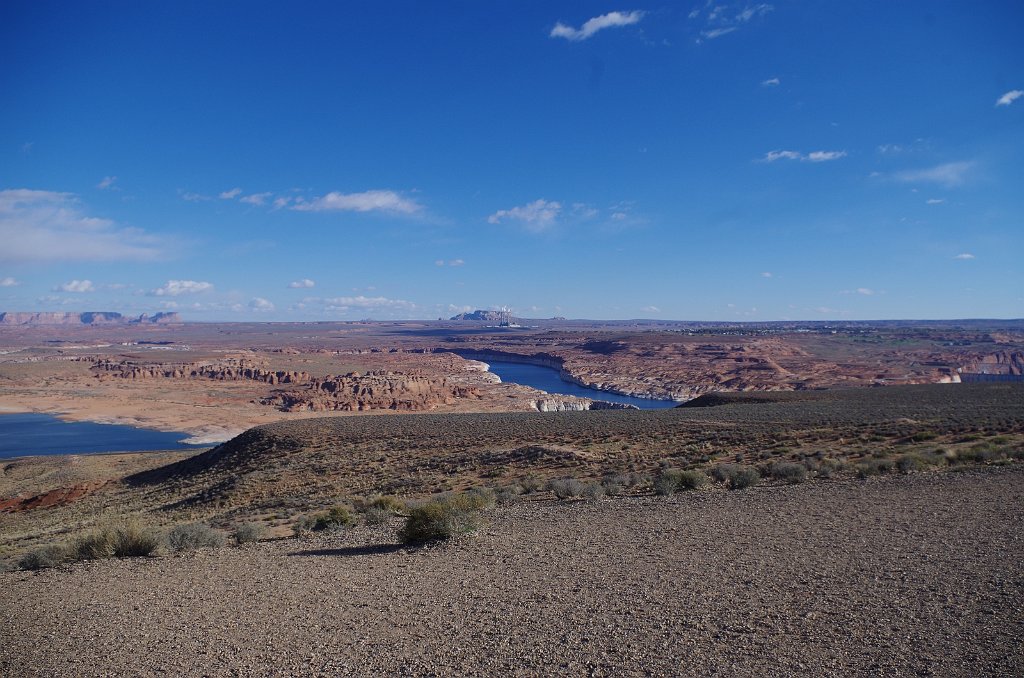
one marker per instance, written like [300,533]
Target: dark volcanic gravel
[896,576]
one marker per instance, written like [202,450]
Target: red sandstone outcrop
[379,390]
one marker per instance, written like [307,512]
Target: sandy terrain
[909,575]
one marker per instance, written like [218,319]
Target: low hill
[312,460]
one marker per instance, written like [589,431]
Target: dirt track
[918,575]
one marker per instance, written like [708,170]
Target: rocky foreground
[912,575]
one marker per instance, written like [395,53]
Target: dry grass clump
[788,472]
[735,476]
[672,480]
[446,517]
[567,488]
[44,557]
[192,536]
[249,533]
[116,540]
[334,518]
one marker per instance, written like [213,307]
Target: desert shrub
[377,516]
[788,472]
[47,556]
[874,467]
[507,494]
[723,472]
[566,488]
[131,540]
[743,477]
[593,490]
[249,533]
[336,517]
[531,484]
[392,505]
[613,485]
[675,480]
[96,545]
[478,497]
[191,536]
[441,519]
[910,462]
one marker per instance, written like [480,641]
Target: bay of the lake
[548,379]
[32,434]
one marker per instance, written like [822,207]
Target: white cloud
[651,309]
[9,282]
[766,274]
[76,286]
[261,305]
[367,201]
[255,198]
[363,303]
[718,32]
[824,156]
[536,216]
[281,202]
[301,284]
[50,226]
[591,26]
[106,182]
[230,195]
[450,262]
[750,12]
[771,82]
[813,156]
[950,174]
[866,291]
[964,256]
[173,288]
[1010,97]
[934,201]
[189,196]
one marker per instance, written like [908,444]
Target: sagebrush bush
[441,519]
[907,463]
[249,533]
[743,478]
[788,472]
[392,505]
[377,516]
[96,545]
[334,518]
[132,540]
[41,558]
[507,494]
[593,490]
[874,467]
[191,536]
[567,488]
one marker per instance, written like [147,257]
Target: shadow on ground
[373,549]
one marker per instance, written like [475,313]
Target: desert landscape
[812,482]
[511,338]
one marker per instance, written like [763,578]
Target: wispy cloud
[368,304]
[934,201]
[173,288]
[261,305]
[301,284]
[771,82]
[106,183]
[189,196]
[964,256]
[598,23]
[722,18]
[767,274]
[950,174]
[651,309]
[76,286]
[9,282]
[450,262]
[1010,97]
[255,198]
[367,201]
[536,216]
[50,226]
[813,156]
[230,195]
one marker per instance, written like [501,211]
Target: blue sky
[388,160]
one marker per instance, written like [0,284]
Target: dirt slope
[911,575]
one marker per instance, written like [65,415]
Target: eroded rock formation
[379,390]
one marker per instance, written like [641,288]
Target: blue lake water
[548,379]
[30,434]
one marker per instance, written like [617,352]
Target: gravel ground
[895,576]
